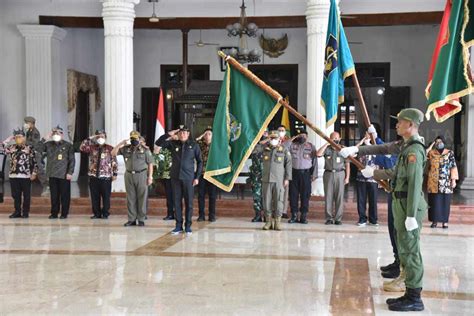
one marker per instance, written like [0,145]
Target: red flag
[160,117]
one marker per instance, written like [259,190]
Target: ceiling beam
[296,21]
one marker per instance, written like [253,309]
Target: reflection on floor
[230,267]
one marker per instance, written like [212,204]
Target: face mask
[337,141]
[274,142]
[19,141]
[281,134]
[134,142]
[26,126]
[56,137]
[101,141]
[440,146]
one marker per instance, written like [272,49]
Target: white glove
[349,151]
[371,130]
[411,224]
[368,172]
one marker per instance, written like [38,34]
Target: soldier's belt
[334,170]
[135,172]
[302,170]
[400,195]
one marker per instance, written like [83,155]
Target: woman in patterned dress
[442,177]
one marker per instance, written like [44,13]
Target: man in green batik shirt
[409,205]
[161,172]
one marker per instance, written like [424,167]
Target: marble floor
[231,267]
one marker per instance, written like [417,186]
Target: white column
[317,13]
[42,52]
[118,18]
[468,182]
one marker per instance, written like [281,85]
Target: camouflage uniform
[161,172]
[255,179]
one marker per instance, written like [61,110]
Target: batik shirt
[441,169]
[162,162]
[368,161]
[205,147]
[102,164]
[22,160]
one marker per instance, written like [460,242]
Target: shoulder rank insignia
[411,158]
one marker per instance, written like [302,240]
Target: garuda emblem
[273,47]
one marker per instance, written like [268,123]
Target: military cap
[209,128]
[30,119]
[134,135]
[17,132]
[274,134]
[183,128]
[411,114]
[57,129]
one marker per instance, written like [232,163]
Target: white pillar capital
[43,86]
[118,16]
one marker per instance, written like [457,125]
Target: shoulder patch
[411,158]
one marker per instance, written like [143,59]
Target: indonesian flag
[450,75]
[160,117]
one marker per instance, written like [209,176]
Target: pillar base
[467,184]
[119,184]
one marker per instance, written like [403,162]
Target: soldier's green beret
[30,119]
[412,115]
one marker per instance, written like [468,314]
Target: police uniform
[305,167]
[32,139]
[184,157]
[161,172]
[333,180]
[276,169]
[60,163]
[255,179]
[137,159]
[408,202]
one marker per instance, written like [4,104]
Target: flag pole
[275,95]
[363,107]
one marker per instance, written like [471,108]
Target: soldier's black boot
[393,273]
[303,219]
[410,303]
[391,266]
[293,218]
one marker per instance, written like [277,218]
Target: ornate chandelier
[242,29]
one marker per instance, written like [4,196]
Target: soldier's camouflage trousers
[257,196]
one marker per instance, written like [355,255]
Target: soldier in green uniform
[409,205]
[162,161]
[276,174]
[32,139]
[255,179]
[138,176]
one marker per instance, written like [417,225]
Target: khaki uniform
[276,169]
[333,180]
[136,174]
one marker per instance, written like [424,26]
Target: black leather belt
[334,171]
[400,195]
[135,172]
[302,170]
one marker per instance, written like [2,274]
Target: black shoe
[130,223]
[15,215]
[168,218]
[257,218]
[212,219]
[433,225]
[445,225]
[25,215]
[395,264]
[329,222]
[95,216]
[141,223]
[391,301]
[391,274]
[303,220]
[63,217]
[146,217]
[53,216]
[201,219]
[293,219]
[105,217]
[337,223]
[411,302]
[284,215]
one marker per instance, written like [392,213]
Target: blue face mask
[440,146]
[134,142]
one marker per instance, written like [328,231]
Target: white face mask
[274,142]
[26,126]
[101,141]
[57,138]
[282,134]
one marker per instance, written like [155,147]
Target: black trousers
[367,190]
[211,189]
[169,197]
[100,190]
[60,196]
[183,189]
[391,227]
[300,189]
[21,187]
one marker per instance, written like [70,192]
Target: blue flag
[338,65]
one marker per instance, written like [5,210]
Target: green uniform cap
[412,115]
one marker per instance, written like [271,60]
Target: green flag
[450,75]
[242,115]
